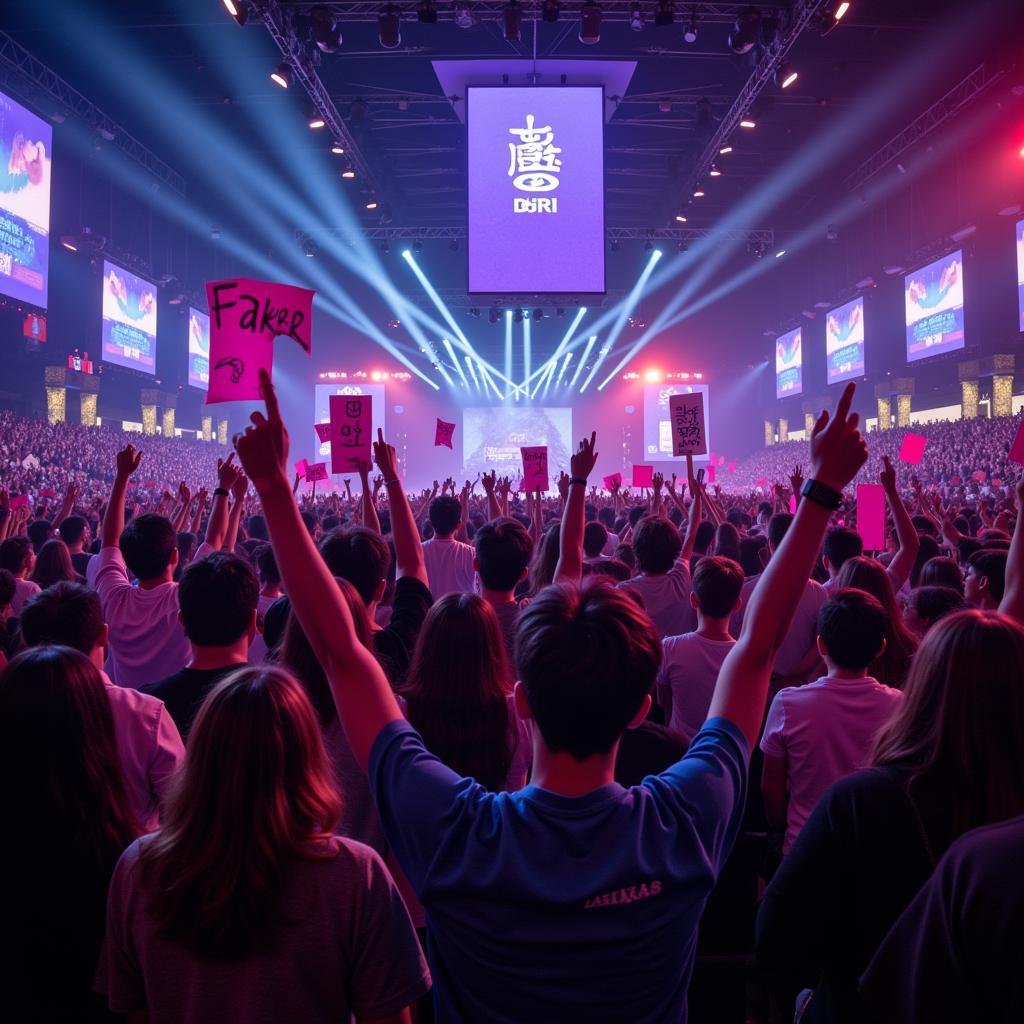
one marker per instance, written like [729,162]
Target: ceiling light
[281,75]
[337,149]
[463,17]
[664,13]
[698,193]
[69,243]
[417,246]
[636,18]
[512,17]
[690,34]
[840,11]
[326,31]
[371,203]
[239,10]
[745,33]
[785,76]
[590,24]
[748,123]
[550,10]
[389,28]
[349,172]
[780,253]
[727,148]
[714,172]
[317,122]
[681,217]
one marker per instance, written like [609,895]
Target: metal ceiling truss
[390,233]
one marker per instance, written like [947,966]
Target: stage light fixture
[426,12]
[517,316]
[590,24]
[512,19]
[785,76]
[417,247]
[538,314]
[748,122]
[239,10]
[371,203]
[615,245]
[463,16]
[337,149]
[550,10]
[385,247]
[636,18]
[326,31]
[473,311]
[453,245]
[780,254]
[69,243]
[648,245]
[653,376]
[316,121]
[681,217]
[690,35]
[389,28]
[746,32]
[664,13]
[703,114]
[282,76]
[349,172]
[698,193]
[714,172]
[682,246]
[493,315]
[840,11]
[725,150]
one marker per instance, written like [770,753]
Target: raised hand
[228,472]
[670,485]
[489,480]
[887,477]
[128,460]
[563,484]
[837,448]
[384,456]
[658,481]
[796,479]
[263,447]
[582,463]
[240,486]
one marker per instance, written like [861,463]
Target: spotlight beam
[564,343]
[455,362]
[472,372]
[489,380]
[565,366]
[545,377]
[583,359]
[602,355]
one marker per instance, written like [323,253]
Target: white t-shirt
[803,631]
[690,668]
[611,544]
[667,600]
[449,567]
[24,591]
[825,730]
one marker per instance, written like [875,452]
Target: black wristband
[220,490]
[822,494]
[577,480]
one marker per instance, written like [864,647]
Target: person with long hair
[545,558]
[54,565]
[950,759]
[458,694]
[245,895]
[68,820]
[869,575]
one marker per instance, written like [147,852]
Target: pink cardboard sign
[1017,448]
[19,501]
[323,432]
[871,515]
[301,466]
[979,474]
[731,467]
[643,476]
[913,448]
[535,468]
[613,481]
[686,416]
[443,434]
[351,419]
[245,317]
[318,471]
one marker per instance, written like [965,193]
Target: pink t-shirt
[825,730]
[24,591]
[666,599]
[449,567]
[690,668]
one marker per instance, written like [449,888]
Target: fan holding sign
[686,413]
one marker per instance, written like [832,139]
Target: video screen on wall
[198,349]
[491,439]
[1020,271]
[25,143]
[658,428]
[935,307]
[844,341]
[789,365]
[536,189]
[322,409]
[129,319]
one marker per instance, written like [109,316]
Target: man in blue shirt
[573,897]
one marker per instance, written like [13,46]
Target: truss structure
[390,233]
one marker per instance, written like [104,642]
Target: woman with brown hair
[951,759]
[67,822]
[53,565]
[244,905]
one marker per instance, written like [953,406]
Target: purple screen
[789,364]
[934,297]
[536,189]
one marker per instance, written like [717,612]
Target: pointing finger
[269,396]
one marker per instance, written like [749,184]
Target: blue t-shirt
[543,907]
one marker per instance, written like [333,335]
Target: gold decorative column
[206,428]
[167,423]
[88,413]
[55,384]
[89,393]
[903,389]
[783,430]
[769,433]
[809,421]
[148,398]
[969,399]
[222,431]
[884,413]
[1002,395]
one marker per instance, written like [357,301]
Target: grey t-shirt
[349,948]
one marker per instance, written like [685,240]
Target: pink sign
[19,501]
[535,468]
[613,481]
[792,504]
[643,476]
[323,432]
[711,473]
[979,474]
[731,467]
[350,432]
[763,482]
[913,448]
[301,466]
[318,471]
[871,516]
[1017,448]
[443,434]
[245,317]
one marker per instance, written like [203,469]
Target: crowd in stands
[475,755]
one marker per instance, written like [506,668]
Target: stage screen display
[935,307]
[129,319]
[1020,271]
[322,409]
[198,349]
[658,429]
[844,341]
[536,189]
[25,143]
[789,358]
[491,439]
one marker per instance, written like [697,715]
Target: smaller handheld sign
[871,515]
[535,468]
[643,476]
[613,481]
[318,471]
[323,431]
[711,473]
[19,501]
[686,419]
[913,448]
[1017,448]
[443,434]
[731,467]
[47,492]
[979,474]
[350,432]
[301,466]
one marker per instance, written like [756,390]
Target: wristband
[577,480]
[388,483]
[821,494]
[219,490]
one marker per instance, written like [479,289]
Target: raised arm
[67,506]
[570,540]
[910,543]
[1012,603]
[490,481]
[238,490]
[128,460]
[692,523]
[837,452]
[369,504]
[657,507]
[180,520]
[217,524]
[408,549]
[361,691]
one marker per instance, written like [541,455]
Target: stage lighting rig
[464,16]
[590,24]
[389,28]
[512,19]
[493,315]
[239,10]
[690,33]
[664,13]
[517,316]
[550,10]
[281,76]
[746,33]
[326,31]
[426,12]
[785,76]
[636,18]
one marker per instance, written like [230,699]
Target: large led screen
[491,439]
[129,320]
[198,349]
[789,365]
[844,341]
[1020,271]
[536,189]
[322,409]
[24,203]
[657,426]
[935,307]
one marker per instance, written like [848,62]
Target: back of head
[542,571]
[53,564]
[15,554]
[727,541]
[703,537]
[217,596]
[960,726]
[610,567]
[148,544]
[636,513]
[606,516]
[256,527]
[445,513]
[750,554]
[992,565]
[265,562]
[624,553]
[358,555]
[503,549]
[72,529]
[869,575]
[595,536]
[841,544]
[657,544]
[717,582]
[941,572]
[777,527]
[931,603]
[39,532]
[738,518]
[924,525]
[928,550]
[256,790]
[851,624]
[67,614]
[587,657]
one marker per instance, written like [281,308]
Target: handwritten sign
[643,476]
[1017,448]
[535,468]
[350,432]
[913,448]
[318,471]
[301,466]
[245,317]
[323,431]
[871,516]
[686,418]
[613,481]
[443,434]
